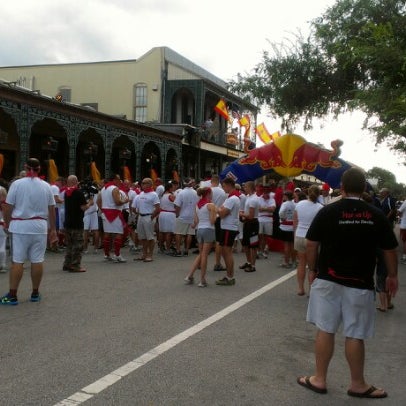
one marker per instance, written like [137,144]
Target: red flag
[221,108]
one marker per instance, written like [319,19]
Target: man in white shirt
[267,206]
[147,205]
[185,203]
[228,213]
[29,206]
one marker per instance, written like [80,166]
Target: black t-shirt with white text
[349,232]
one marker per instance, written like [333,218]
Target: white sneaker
[118,258]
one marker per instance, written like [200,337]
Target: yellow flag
[52,171]
[94,172]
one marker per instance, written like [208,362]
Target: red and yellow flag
[263,133]
[221,108]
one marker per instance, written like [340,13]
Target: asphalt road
[134,334]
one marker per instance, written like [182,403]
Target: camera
[88,188]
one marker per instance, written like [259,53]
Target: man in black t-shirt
[343,239]
[75,206]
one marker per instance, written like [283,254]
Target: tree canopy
[353,59]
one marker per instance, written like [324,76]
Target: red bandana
[235,192]
[70,190]
[31,174]
[202,202]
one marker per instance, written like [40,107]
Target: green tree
[387,179]
[353,59]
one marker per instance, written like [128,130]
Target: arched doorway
[90,149]
[123,160]
[151,162]
[48,140]
[171,165]
[9,147]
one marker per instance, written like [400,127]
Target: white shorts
[91,221]
[29,247]
[145,228]
[331,304]
[167,221]
[115,227]
[265,228]
[183,228]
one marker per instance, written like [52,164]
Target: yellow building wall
[110,84]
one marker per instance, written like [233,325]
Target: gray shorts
[331,304]
[299,244]
[205,235]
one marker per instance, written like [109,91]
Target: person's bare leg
[324,349]
[16,273]
[228,257]
[301,273]
[355,355]
[36,274]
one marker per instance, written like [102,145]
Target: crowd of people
[344,242]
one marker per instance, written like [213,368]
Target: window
[66,93]
[140,102]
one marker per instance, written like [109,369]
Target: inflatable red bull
[290,156]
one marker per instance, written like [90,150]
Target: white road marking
[110,379]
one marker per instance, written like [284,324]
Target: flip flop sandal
[307,384]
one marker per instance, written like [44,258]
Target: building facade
[161,97]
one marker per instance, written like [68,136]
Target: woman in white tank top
[205,217]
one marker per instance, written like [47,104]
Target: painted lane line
[110,379]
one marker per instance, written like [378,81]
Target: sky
[223,37]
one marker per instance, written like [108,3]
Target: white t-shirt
[145,202]
[160,189]
[186,200]
[218,195]
[306,210]
[251,202]
[402,210]
[286,215]
[231,221]
[266,216]
[30,198]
